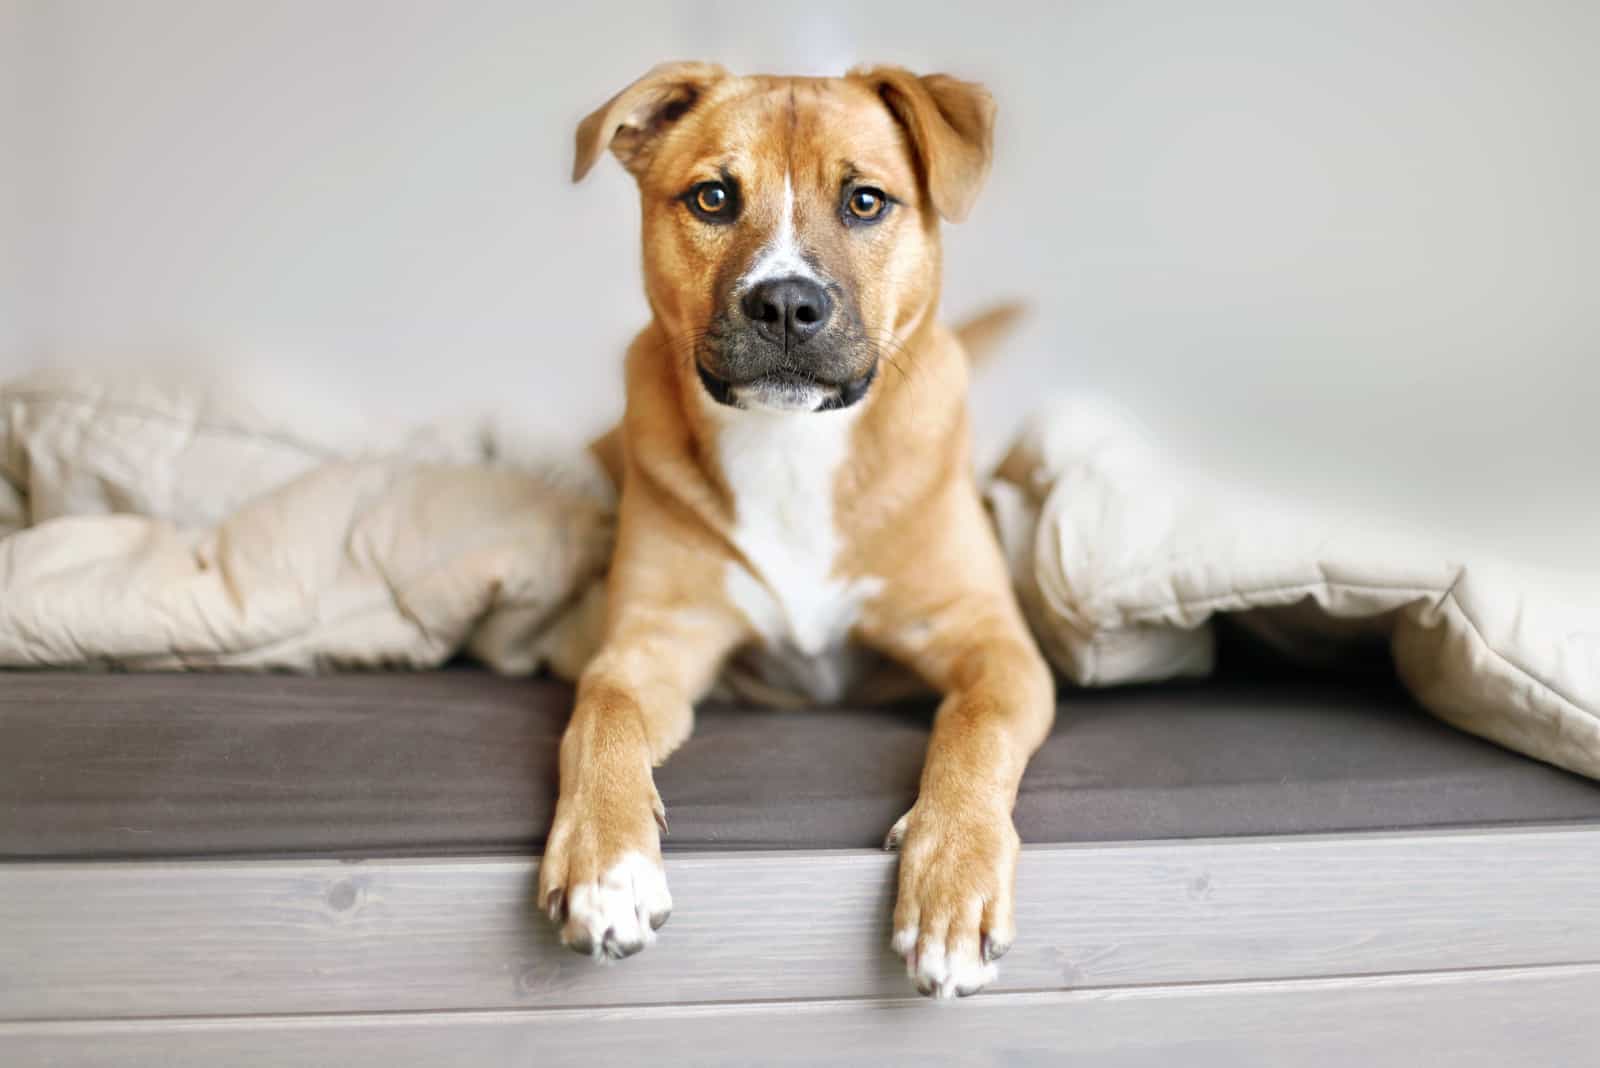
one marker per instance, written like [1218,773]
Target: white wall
[11,185]
[1346,248]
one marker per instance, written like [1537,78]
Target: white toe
[612,918]
[942,972]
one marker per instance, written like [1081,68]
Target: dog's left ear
[630,122]
[951,124]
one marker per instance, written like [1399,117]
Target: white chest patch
[782,469]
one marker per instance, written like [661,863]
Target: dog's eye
[866,204]
[712,201]
[712,198]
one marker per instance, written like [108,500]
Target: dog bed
[460,762]
[154,526]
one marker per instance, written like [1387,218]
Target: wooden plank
[222,938]
[1463,1019]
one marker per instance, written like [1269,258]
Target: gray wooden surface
[1483,1019]
[82,941]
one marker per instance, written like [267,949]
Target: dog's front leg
[958,846]
[601,879]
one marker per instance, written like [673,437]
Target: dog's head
[791,224]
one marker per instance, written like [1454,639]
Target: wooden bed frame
[1469,947]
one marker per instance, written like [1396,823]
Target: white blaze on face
[781,257]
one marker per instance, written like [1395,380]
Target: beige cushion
[165,525]
[1124,555]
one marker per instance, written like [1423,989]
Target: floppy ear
[630,122]
[951,124]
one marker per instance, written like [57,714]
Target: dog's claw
[615,949]
[993,950]
[555,906]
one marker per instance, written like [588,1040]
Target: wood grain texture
[247,937]
[1485,1019]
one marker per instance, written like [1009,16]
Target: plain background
[1341,250]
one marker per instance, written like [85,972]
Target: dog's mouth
[786,391]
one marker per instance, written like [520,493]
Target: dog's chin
[784,392]
[780,393]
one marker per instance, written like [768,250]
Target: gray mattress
[104,766]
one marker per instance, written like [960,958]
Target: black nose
[787,311]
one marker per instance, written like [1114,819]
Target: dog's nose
[787,311]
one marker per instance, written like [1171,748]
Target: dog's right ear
[630,122]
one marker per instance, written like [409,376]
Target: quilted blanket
[1125,558]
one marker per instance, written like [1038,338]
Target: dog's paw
[953,918]
[602,884]
[615,915]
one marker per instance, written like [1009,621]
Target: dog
[795,476]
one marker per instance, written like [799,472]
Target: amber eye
[713,201]
[712,198]
[866,204]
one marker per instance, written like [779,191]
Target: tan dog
[796,479]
